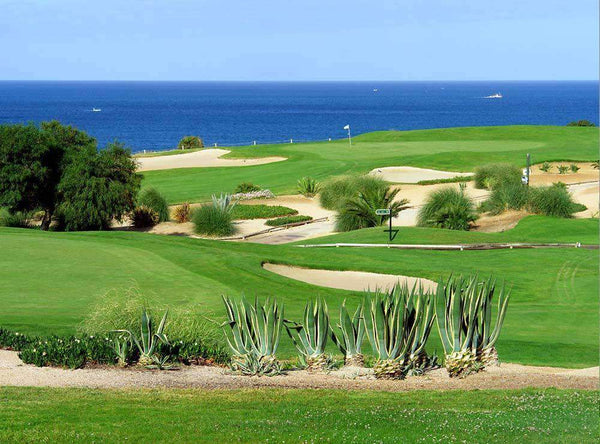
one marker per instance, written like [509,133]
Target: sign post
[386,212]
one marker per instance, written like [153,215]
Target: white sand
[199,159]
[346,280]
[405,174]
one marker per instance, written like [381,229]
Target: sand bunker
[586,173]
[346,280]
[508,376]
[199,159]
[404,174]
[587,194]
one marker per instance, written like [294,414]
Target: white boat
[494,96]
[375,90]
[96,110]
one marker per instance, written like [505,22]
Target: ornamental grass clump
[151,198]
[492,175]
[182,213]
[351,335]
[448,208]
[144,217]
[310,337]
[253,333]
[554,200]
[335,192]
[464,320]
[215,218]
[509,196]
[308,187]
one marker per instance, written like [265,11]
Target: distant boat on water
[494,96]
[96,110]
[375,90]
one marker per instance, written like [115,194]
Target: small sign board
[382,212]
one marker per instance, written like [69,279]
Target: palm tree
[359,212]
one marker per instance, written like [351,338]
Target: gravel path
[508,376]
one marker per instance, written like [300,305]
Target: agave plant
[253,333]
[223,203]
[149,338]
[350,340]
[122,345]
[307,186]
[310,337]
[465,323]
[486,334]
[384,319]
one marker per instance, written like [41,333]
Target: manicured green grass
[261,211]
[452,149]
[529,229]
[525,416]
[287,220]
[50,281]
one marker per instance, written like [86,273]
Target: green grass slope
[492,416]
[453,149]
[51,280]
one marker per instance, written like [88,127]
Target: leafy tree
[190,142]
[98,186]
[32,160]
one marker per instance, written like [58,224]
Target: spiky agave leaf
[148,340]
[310,337]
[351,336]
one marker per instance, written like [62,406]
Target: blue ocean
[155,115]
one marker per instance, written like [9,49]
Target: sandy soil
[507,376]
[404,174]
[585,174]
[502,222]
[588,195]
[199,159]
[346,280]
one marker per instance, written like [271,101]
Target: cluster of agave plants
[397,324]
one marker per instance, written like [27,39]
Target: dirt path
[508,376]
[347,280]
[199,159]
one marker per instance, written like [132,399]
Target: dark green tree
[190,142]
[97,187]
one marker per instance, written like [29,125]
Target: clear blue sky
[298,40]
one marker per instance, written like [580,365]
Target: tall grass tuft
[335,192]
[492,175]
[151,198]
[553,200]
[215,218]
[509,196]
[447,208]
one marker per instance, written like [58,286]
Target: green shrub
[447,208]
[215,218]
[190,143]
[287,220]
[492,175]
[335,192]
[151,198]
[261,211]
[308,187]
[574,168]
[144,217]
[17,219]
[456,179]
[359,212]
[509,196]
[595,165]
[563,169]
[71,352]
[13,340]
[553,200]
[580,123]
[545,167]
[246,187]
[182,213]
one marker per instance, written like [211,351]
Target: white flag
[347,127]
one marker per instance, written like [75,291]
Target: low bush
[246,187]
[595,164]
[545,167]
[563,169]
[553,200]
[151,198]
[308,187]
[447,208]
[182,213]
[13,340]
[574,168]
[495,174]
[457,179]
[71,352]
[581,123]
[335,192]
[190,143]
[14,220]
[261,211]
[144,217]
[215,218]
[359,212]
[510,196]
[287,220]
